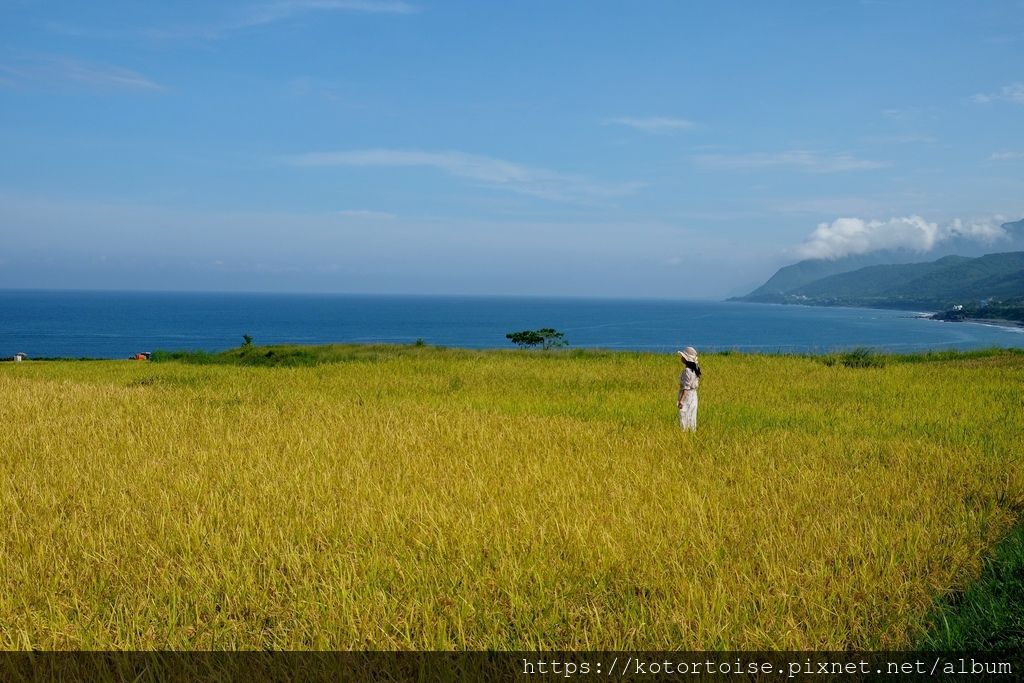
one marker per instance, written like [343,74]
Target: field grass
[412,497]
[989,614]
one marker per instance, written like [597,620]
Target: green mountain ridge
[805,275]
[942,284]
[874,280]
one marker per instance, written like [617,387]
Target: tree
[545,338]
[552,338]
[527,339]
[247,340]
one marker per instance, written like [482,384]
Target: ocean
[117,324]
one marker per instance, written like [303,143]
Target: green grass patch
[857,358]
[297,355]
[989,613]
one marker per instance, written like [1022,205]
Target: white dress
[688,381]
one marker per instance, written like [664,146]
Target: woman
[688,381]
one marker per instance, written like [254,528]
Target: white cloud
[849,236]
[53,70]
[1014,92]
[286,9]
[1006,156]
[985,231]
[906,139]
[492,172]
[652,124]
[367,214]
[910,113]
[803,160]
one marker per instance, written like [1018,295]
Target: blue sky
[633,149]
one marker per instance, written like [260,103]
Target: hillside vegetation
[412,497]
[940,284]
[788,279]
[805,272]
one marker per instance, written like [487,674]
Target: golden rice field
[432,499]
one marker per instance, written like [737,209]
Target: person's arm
[682,392]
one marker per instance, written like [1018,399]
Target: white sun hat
[689,354]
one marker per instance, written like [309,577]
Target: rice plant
[419,498]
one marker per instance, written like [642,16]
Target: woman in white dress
[688,381]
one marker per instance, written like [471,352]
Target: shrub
[859,357]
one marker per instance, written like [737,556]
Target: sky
[653,149]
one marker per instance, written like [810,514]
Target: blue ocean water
[117,324]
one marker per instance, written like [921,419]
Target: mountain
[875,280]
[942,284]
[805,272]
[796,280]
[995,276]
[1015,230]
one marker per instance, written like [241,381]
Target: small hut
[18,357]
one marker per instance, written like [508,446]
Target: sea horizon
[254,292]
[555,297]
[120,323]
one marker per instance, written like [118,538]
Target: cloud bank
[286,9]
[538,182]
[56,70]
[803,160]
[652,124]
[1014,92]
[851,236]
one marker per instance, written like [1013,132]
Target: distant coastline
[960,288]
[997,322]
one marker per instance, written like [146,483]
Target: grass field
[412,497]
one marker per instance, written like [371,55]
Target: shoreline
[910,312]
[992,322]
